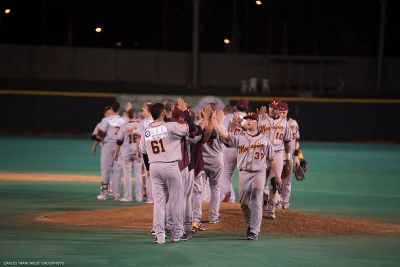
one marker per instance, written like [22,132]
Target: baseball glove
[287,167]
[299,172]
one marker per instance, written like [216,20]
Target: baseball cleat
[252,236]
[156,241]
[186,236]
[152,233]
[215,222]
[175,239]
[125,199]
[101,197]
[270,215]
[149,202]
[197,227]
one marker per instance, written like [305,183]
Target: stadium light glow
[227,41]
[7,11]
[98,29]
[258,3]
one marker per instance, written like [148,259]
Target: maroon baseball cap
[274,103]
[283,106]
[251,116]
[242,104]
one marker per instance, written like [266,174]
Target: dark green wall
[345,121]
[50,114]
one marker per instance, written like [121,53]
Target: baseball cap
[242,104]
[283,106]
[274,103]
[251,116]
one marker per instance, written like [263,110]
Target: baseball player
[213,164]
[107,112]
[146,120]
[197,161]
[294,150]
[227,192]
[278,131]
[181,115]
[253,151]
[107,132]
[161,142]
[128,144]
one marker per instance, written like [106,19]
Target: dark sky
[302,27]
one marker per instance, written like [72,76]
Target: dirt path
[287,222]
[47,177]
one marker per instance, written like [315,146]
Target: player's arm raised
[206,122]
[217,119]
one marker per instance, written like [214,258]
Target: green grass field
[357,180]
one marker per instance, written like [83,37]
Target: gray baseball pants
[166,184]
[251,186]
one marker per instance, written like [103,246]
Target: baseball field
[346,212]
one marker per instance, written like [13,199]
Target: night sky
[302,27]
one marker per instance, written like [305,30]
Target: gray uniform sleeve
[287,137]
[297,130]
[102,126]
[180,129]
[231,141]
[268,149]
[96,129]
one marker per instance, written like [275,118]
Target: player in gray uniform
[107,133]
[146,119]
[181,114]
[278,131]
[253,152]
[227,192]
[107,112]
[213,164]
[128,144]
[197,162]
[294,146]
[161,142]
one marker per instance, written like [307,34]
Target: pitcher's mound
[286,222]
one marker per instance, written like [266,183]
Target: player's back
[127,135]
[162,141]
[110,126]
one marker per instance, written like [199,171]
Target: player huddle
[186,159]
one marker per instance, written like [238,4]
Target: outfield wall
[319,118]
[294,75]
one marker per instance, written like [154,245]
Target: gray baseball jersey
[126,136]
[161,141]
[143,124]
[277,130]
[294,127]
[110,127]
[252,151]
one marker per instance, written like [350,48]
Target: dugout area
[352,180]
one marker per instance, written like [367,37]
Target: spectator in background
[265,89]
[243,86]
[253,85]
